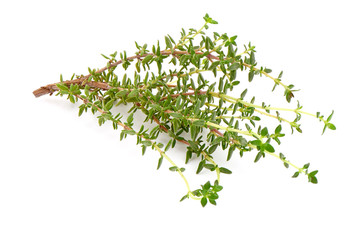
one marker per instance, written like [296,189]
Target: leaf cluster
[188,107]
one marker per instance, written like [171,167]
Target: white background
[64,177]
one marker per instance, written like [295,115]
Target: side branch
[51,88]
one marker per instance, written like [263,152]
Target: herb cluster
[186,106]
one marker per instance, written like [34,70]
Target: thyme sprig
[186,106]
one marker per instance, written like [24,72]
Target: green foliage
[187,107]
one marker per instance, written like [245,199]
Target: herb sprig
[186,106]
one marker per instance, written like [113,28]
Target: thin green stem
[301,170]
[214,125]
[236,100]
[178,170]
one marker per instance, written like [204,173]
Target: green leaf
[217,141]
[258,156]
[173,168]
[225,170]
[168,43]
[62,87]
[267,70]
[200,167]
[252,58]
[296,174]
[209,166]
[143,150]
[146,59]
[243,94]
[278,129]
[147,143]
[329,118]
[199,123]
[122,93]
[264,132]
[109,105]
[207,186]
[306,166]
[269,148]
[130,132]
[184,197]
[251,75]
[130,118]
[160,162]
[212,148]
[331,126]
[280,74]
[234,66]
[203,201]
[176,115]
[212,201]
[231,150]
[155,106]
[133,93]
[256,143]
[313,180]
[214,65]
[105,56]
[217,188]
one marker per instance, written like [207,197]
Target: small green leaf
[306,166]
[184,197]
[147,143]
[251,75]
[212,148]
[242,96]
[130,118]
[176,115]
[203,201]
[278,129]
[256,143]
[130,132]
[168,43]
[296,174]
[122,93]
[214,65]
[155,106]
[173,168]
[105,56]
[313,180]
[146,59]
[209,166]
[264,132]
[207,185]
[217,141]
[268,147]
[225,170]
[234,66]
[199,123]
[160,162]
[217,188]
[267,70]
[109,105]
[231,150]
[133,93]
[62,87]
[200,167]
[329,118]
[258,156]
[331,126]
[280,74]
